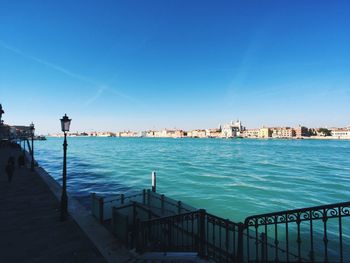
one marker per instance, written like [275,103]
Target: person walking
[10,169]
[20,161]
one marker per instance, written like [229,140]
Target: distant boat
[40,138]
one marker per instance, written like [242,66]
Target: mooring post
[154,181]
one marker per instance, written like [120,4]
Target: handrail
[208,235]
[162,199]
[305,233]
[137,205]
[301,210]
[120,198]
[222,220]
[165,218]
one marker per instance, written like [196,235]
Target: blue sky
[115,65]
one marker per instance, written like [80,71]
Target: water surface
[230,178]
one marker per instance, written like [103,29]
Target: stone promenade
[30,226]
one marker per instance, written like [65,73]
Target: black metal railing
[125,222]
[313,234]
[210,236]
[102,206]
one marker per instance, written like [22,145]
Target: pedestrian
[20,161]
[10,169]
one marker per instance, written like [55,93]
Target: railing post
[263,237]
[144,196]
[227,238]
[239,257]
[93,197]
[201,233]
[122,199]
[179,206]
[134,225]
[162,203]
[100,203]
[148,197]
[170,222]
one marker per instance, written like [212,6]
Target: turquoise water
[230,178]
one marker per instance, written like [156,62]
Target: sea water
[231,178]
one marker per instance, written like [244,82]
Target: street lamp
[32,129]
[65,123]
[1,112]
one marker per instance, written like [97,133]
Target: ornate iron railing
[310,234]
[314,234]
[299,235]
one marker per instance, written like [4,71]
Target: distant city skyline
[141,65]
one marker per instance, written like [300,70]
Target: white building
[342,133]
[233,129]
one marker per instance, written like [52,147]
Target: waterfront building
[301,131]
[150,133]
[173,133]
[104,134]
[233,129]
[283,132]
[214,133]
[265,132]
[142,134]
[341,133]
[127,134]
[168,133]
[251,133]
[197,134]
[157,134]
[180,134]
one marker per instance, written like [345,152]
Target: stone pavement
[30,226]
[31,230]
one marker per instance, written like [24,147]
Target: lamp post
[65,123]
[1,112]
[32,129]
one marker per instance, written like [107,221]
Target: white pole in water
[154,181]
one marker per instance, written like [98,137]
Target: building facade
[341,133]
[251,133]
[233,129]
[301,131]
[283,132]
[265,133]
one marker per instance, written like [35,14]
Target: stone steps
[170,257]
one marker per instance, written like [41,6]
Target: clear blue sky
[115,65]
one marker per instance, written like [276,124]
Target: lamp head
[65,123]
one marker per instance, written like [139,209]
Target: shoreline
[233,138]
